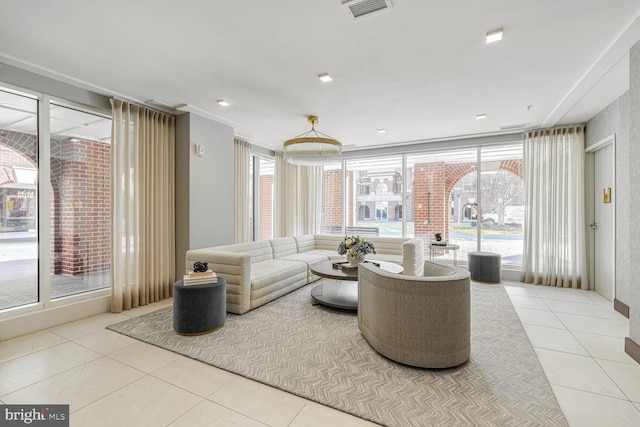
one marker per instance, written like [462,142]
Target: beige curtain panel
[554,230]
[241,156]
[143,208]
[298,198]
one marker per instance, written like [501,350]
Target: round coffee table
[342,291]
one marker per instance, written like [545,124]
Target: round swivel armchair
[422,321]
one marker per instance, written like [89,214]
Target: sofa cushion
[388,245]
[327,242]
[397,259]
[283,246]
[327,253]
[269,272]
[259,251]
[305,243]
[307,257]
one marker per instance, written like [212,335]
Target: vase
[355,260]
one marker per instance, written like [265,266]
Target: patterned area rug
[319,354]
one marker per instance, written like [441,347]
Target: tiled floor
[579,340]
[109,379]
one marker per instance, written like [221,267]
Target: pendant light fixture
[312,148]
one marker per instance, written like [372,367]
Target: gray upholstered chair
[419,321]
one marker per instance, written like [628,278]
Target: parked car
[512,215]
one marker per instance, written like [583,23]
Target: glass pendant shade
[312,148]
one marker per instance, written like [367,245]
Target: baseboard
[621,307]
[44,319]
[632,349]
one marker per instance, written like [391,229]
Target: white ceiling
[420,70]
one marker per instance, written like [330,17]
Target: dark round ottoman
[199,309]
[485,266]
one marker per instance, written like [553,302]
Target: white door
[604,222]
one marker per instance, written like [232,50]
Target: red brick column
[266,207]
[332,198]
[429,200]
[80,207]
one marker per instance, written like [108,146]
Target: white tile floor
[109,379]
[579,340]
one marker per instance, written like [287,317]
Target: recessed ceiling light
[494,35]
[325,77]
[223,102]
[74,140]
[382,131]
[481,116]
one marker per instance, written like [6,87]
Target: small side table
[448,247]
[199,309]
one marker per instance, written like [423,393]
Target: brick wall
[513,166]
[266,207]
[440,179]
[430,200]
[332,198]
[80,198]
[80,175]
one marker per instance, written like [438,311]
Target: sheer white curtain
[241,155]
[142,203]
[554,234]
[298,198]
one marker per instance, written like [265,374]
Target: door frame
[589,189]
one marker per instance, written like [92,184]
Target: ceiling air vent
[514,127]
[360,8]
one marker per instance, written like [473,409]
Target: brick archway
[433,184]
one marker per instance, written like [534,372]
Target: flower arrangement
[354,246]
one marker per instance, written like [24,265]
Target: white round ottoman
[485,266]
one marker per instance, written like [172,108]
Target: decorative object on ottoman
[485,266]
[201,308]
[199,276]
[438,237]
[355,248]
[200,267]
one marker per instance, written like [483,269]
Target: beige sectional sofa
[259,272]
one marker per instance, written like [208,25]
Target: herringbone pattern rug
[319,354]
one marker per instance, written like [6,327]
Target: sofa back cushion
[259,251]
[387,245]
[283,246]
[413,257]
[328,242]
[306,243]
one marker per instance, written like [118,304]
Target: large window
[375,207]
[443,194]
[502,205]
[77,215]
[472,196]
[18,200]
[261,197]
[80,172]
